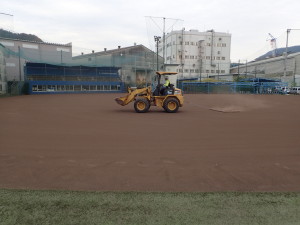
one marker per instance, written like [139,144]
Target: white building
[198,54]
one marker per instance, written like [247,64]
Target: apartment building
[196,54]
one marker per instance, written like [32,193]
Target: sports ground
[86,142]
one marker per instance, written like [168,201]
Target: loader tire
[141,105]
[171,105]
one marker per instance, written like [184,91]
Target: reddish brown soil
[88,142]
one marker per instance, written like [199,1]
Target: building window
[186,56]
[69,88]
[192,43]
[223,44]
[62,49]
[223,58]
[51,88]
[218,57]
[187,43]
[93,87]
[196,70]
[10,64]
[85,87]
[212,71]
[77,87]
[207,44]
[186,70]
[114,87]
[32,46]
[207,57]
[192,71]
[207,71]
[222,71]
[191,57]
[60,87]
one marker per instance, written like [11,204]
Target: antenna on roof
[163,29]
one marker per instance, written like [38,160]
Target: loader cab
[158,88]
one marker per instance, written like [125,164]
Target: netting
[33,62]
[256,86]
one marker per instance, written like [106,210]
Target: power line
[6,14]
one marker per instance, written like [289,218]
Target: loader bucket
[121,100]
[132,93]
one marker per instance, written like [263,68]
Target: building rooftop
[36,42]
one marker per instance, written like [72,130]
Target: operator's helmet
[166,77]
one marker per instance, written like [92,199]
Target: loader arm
[132,93]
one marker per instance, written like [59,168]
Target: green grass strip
[86,208]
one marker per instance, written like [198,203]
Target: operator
[165,86]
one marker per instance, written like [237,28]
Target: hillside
[279,52]
[21,36]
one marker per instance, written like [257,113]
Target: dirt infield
[88,142]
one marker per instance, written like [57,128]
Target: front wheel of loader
[141,105]
[171,105]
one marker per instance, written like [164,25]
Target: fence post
[207,87]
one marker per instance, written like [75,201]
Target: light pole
[156,39]
[285,55]
[286,52]
[200,57]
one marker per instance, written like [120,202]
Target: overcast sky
[95,25]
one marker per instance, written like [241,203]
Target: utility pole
[246,69]
[156,39]
[200,58]
[164,30]
[239,68]
[164,38]
[19,56]
[286,52]
[218,71]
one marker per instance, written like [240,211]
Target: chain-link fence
[232,87]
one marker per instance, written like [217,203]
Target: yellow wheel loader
[166,97]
